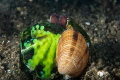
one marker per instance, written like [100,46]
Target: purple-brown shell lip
[62,20]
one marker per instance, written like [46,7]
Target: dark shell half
[29,47]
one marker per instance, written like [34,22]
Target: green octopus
[38,48]
[44,44]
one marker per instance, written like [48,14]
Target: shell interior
[38,48]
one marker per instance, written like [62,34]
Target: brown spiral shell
[72,53]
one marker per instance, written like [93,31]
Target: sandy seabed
[101,20]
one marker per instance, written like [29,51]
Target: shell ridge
[71,52]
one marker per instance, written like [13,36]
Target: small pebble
[87,23]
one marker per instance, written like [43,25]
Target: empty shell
[72,53]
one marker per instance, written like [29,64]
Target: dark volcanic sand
[101,20]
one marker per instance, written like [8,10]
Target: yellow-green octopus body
[38,49]
[44,45]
